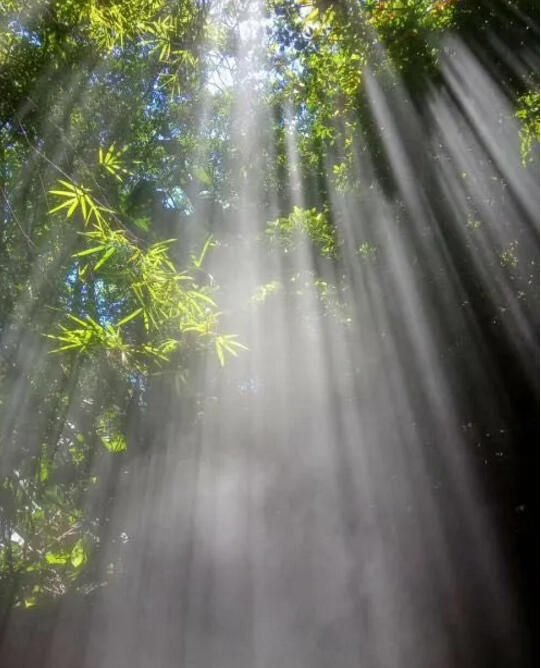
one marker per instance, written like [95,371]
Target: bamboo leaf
[63,205]
[78,320]
[104,258]
[89,251]
[129,317]
[78,554]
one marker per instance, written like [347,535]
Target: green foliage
[95,98]
[310,223]
[111,160]
[264,291]
[332,299]
[342,175]
[46,552]
[109,429]
[227,344]
[78,554]
[161,309]
[77,198]
[329,47]
[528,114]
[407,27]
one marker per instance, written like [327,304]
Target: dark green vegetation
[120,179]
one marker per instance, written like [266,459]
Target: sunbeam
[268,333]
